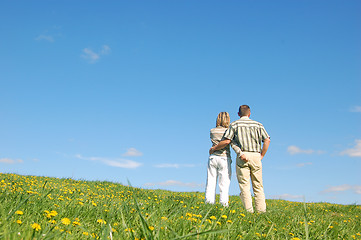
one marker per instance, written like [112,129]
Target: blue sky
[117,90]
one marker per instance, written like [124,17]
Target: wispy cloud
[287,196]
[92,56]
[296,150]
[10,161]
[132,152]
[175,183]
[355,109]
[114,162]
[304,164]
[173,165]
[342,188]
[105,50]
[89,55]
[353,152]
[48,38]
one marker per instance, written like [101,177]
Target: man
[247,136]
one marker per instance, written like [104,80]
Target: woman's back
[216,135]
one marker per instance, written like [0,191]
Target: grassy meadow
[51,208]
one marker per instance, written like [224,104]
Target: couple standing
[246,137]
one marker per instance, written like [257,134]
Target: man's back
[247,134]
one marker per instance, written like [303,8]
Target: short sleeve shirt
[216,135]
[247,134]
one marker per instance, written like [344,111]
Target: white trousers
[218,167]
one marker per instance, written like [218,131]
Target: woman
[219,163]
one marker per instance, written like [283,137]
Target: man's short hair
[244,110]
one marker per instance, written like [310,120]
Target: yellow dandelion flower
[86,233]
[36,226]
[18,212]
[218,223]
[296,238]
[65,221]
[76,223]
[164,218]
[101,221]
[151,228]
[51,214]
[19,222]
[243,215]
[224,216]
[229,221]
[213,218]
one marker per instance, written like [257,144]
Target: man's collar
[244,117]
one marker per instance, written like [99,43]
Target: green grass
[51,208]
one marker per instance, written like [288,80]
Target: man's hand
[211,151]
[222,144]
[266,143]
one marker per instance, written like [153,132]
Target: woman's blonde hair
[223,120]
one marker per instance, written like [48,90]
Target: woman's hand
[244,158]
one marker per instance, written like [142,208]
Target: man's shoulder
[246,121]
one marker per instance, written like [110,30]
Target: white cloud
[353,152]
[117,162]
[287,196]
[133,153]
[105,50]
[92,56]
[296,150]
[357,189]
[45,37]
[355,109]
[89,55]
[304,164]
[10,161]
[175,183]
[173,165]
[342,188]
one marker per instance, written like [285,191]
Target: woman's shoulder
[218,129]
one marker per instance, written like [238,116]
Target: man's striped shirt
[247,134]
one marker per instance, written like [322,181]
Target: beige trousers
[251,170]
